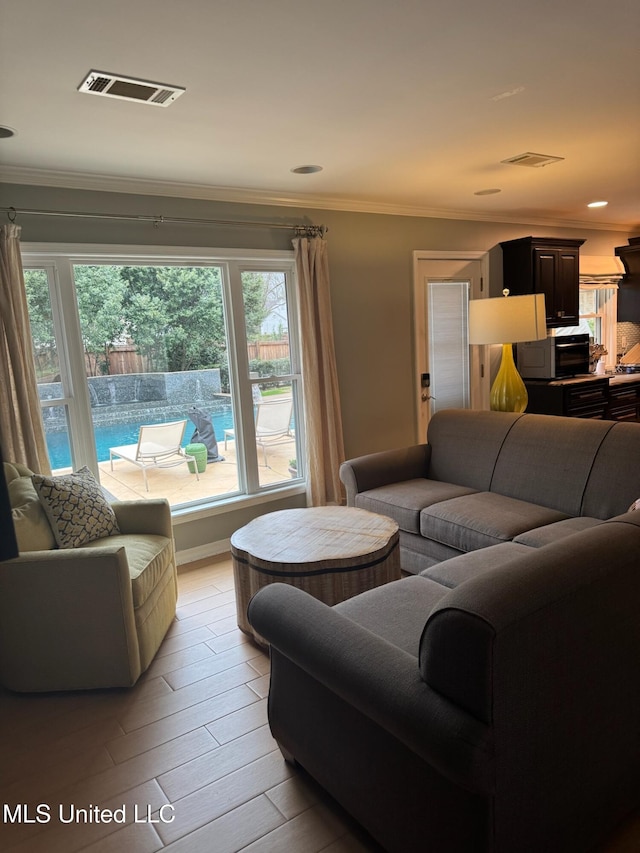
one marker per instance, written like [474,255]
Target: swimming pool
[116,435]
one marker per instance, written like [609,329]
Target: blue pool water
[119,434]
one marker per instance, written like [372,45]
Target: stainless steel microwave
[554,357]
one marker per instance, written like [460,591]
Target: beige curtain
[21,430]
[323,419]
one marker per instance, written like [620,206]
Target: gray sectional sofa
[492,701]
[486,478]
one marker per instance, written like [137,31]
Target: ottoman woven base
[333,553]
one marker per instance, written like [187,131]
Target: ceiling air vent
[130,89]
[533,160]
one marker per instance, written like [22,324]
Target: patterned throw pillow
[76,507]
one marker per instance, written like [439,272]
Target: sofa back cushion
[614,480]
[465,445]
[33,532]
[547,460]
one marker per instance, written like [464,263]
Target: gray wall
[371,268]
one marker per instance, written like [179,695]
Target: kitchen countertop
[614,379]
[573,380]
[621,378]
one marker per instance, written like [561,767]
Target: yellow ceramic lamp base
[508,392]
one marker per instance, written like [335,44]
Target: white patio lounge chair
[158,447]
[273,423]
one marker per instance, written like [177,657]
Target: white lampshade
[509,319]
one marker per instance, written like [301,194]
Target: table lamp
[512,319]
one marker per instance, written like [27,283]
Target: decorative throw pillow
[76,507]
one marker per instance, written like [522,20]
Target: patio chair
[159,446]
[273,424]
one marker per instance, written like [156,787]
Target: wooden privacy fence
[124,358]
[268,350]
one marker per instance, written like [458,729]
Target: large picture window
[126,338]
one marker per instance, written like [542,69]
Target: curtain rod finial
[310,230]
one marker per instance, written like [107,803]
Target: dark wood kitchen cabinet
[629,290]
[612,399]
[545,265]
[573,398]
[624,401]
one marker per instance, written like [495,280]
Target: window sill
[185,514]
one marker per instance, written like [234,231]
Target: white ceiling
[409,105]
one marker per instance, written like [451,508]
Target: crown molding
[239,195]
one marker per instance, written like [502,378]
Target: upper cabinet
[545,265]
[629,290]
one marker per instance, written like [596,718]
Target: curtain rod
[300,230]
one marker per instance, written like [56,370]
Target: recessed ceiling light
[6,132]
[491,191]
[306,170]
[598,204]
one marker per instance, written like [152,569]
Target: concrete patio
[179,486]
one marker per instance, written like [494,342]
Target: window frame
[59,260]
[606,311]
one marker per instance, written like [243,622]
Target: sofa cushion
[396,611]
[404,501]
[33,531]
[482,519]
[76,507]
[451,573]
[548,462]
[147,555]
[465,445]
[418,553]
[13,470]
[614,481]
[540,536]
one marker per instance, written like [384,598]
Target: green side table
[199,452]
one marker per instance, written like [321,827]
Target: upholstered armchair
[88,616]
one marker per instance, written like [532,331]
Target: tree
[39,305]
[265,298]
[175,313]
[146,323]
[265,305]
[100,291]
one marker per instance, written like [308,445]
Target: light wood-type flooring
[185,758]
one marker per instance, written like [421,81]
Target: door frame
[479,376]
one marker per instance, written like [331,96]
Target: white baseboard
[201,552]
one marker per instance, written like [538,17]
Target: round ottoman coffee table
[332,553]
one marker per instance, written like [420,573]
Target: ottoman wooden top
[328,537]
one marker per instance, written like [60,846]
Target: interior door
[448,373]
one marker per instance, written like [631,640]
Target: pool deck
[178,485]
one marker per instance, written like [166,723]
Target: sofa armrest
[380,680]
[539,625]
[379,469]
[152,516]
[67,621]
